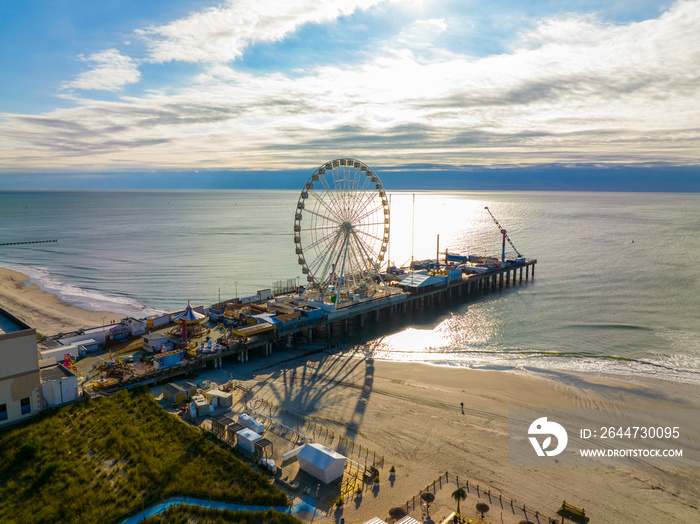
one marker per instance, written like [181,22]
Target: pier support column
[533,270]
[362,320]
[376,315]
[289,341]
[403,308]
[347,324]
[328,330]
[309,335]
[527,272]
[507,278]
[521,275]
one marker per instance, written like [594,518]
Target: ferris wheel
[341,233]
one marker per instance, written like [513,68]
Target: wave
[528,361]
[610,326]
[84,298]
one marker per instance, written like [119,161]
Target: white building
[154,342]
[246,439]
[321,462]
[58,385]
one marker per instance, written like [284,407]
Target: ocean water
[616,289]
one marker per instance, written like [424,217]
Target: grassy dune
[97,460]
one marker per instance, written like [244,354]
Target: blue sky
[89,90]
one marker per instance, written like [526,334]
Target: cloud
[111,71]
[571,89]
[220,34]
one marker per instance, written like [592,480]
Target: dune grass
[99,459]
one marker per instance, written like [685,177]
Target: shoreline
[44,311]
[51,315]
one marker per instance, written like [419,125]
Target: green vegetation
[99,459]
[190,514]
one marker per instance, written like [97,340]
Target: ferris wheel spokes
[345,235]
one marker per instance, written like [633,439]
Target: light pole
[105,338]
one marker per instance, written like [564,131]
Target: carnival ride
[341,233]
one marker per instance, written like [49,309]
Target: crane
[27,242]
[505,237]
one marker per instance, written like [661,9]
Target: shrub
[28,449]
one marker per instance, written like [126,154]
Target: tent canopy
[189,315]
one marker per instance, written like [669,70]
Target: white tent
[246,438]
[321,462]
[251,423]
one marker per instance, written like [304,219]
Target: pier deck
[395,304]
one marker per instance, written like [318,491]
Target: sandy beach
[410,414]
[45,311]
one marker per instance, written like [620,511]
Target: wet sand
[45,311]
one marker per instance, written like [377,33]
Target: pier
[341,239]
[396,305]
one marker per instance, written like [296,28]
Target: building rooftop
[9,323]
[54,372]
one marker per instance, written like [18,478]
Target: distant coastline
[543,177]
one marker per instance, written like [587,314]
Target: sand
[44,311]
[410,414]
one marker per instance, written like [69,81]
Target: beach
[410,414]
[44,311]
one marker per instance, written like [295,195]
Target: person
[462,404]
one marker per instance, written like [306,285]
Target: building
[321,462]
[59,385]
[20,381]
[154,343]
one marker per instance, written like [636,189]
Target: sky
[583,94]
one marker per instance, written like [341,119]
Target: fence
[319,432]
[505,503]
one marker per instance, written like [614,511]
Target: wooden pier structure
[395,305]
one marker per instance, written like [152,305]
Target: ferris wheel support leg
[342,270]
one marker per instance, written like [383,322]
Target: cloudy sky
[91,88]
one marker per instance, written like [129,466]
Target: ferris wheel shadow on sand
[341,233]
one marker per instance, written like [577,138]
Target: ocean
[616,288]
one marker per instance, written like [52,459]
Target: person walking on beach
[462,405]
